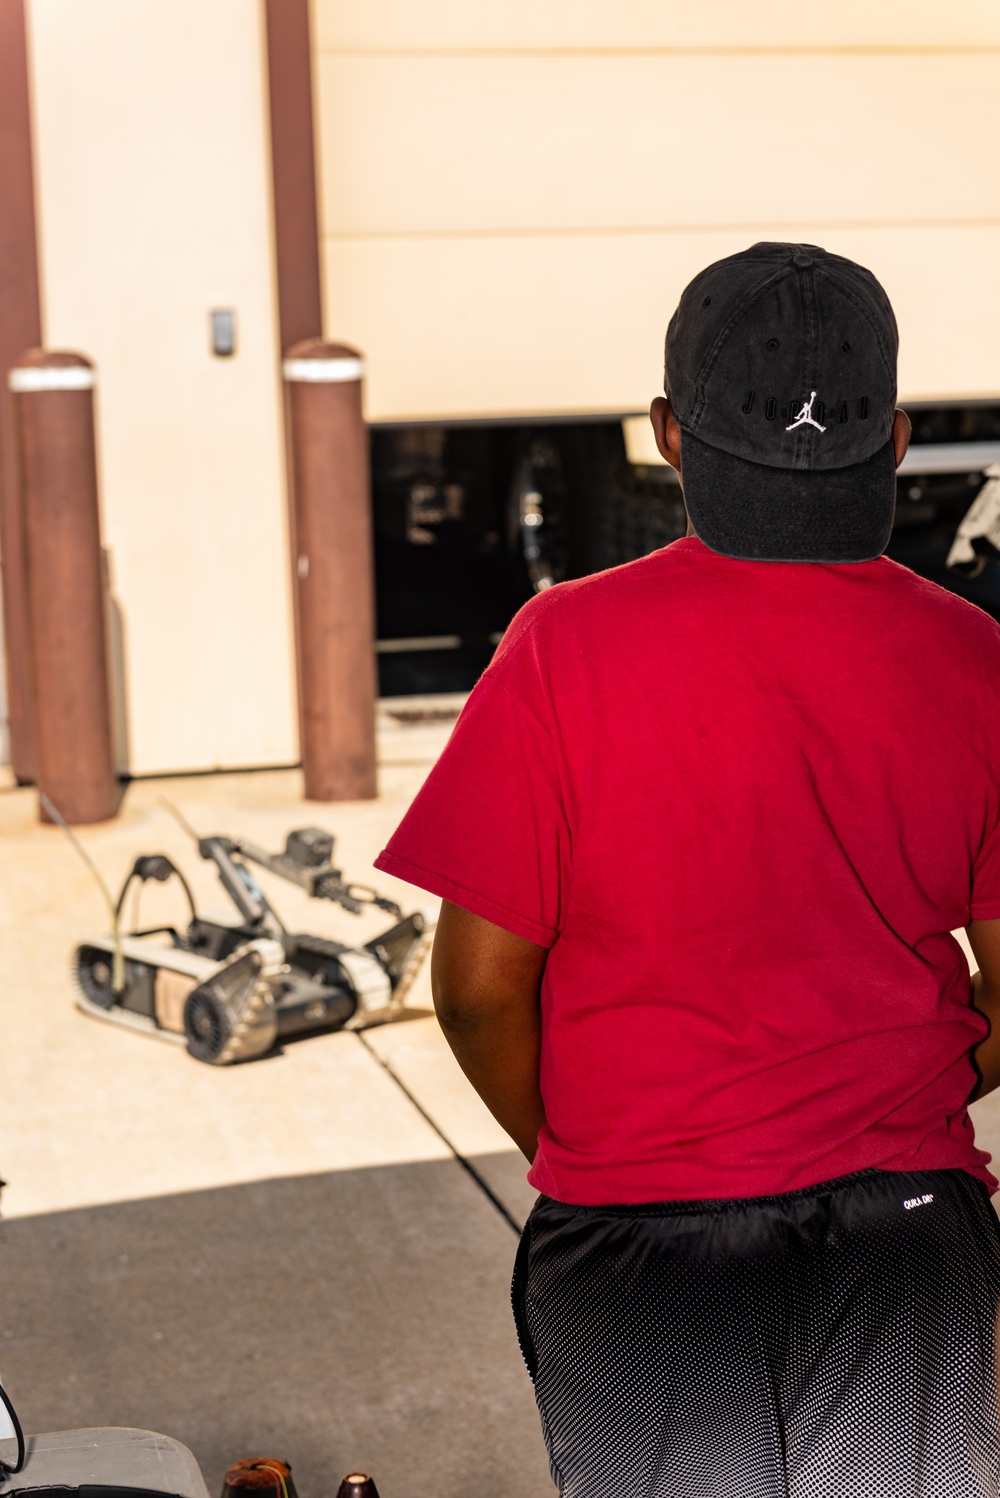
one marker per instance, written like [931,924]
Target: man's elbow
[461,1013]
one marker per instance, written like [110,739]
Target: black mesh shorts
[837,1342]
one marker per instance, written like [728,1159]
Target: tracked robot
[230,988]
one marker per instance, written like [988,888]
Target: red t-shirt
[743,804]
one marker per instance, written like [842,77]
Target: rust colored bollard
[334,571]
[54,422]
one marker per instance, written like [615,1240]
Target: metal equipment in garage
[472,518]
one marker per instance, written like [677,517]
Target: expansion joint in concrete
[465,1163]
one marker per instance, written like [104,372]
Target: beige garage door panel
[487,327]
[484,143]
[653,23]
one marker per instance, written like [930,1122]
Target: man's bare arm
[984,939]
[486,986]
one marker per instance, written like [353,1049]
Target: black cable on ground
[466,1165]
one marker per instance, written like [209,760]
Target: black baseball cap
[781,371]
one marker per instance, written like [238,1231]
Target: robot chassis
[232,988]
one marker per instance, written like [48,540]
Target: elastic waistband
[719,1205]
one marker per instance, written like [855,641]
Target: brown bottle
[259,1477]
[357,1485]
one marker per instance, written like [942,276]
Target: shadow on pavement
[359,1318]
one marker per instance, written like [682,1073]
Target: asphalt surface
[354,1318]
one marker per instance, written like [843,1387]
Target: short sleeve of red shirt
[986,879]
[488,831]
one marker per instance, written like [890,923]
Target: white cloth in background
[982,523]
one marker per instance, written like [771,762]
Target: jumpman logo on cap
[805,416]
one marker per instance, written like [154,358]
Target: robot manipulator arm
[308,862]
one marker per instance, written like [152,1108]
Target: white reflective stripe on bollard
[72,377]
[323,371]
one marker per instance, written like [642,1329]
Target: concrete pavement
[283,1257]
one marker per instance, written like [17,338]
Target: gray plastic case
[113,1457]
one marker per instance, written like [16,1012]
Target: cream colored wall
[513,197]
[151,162]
